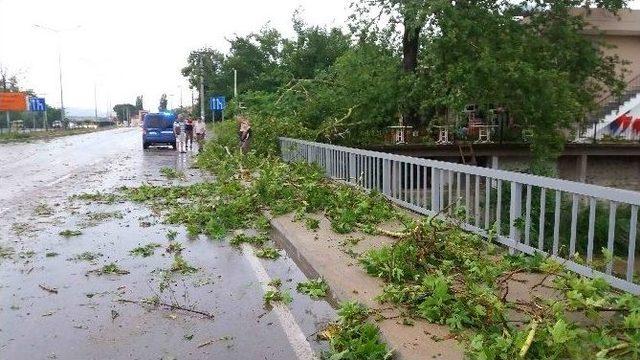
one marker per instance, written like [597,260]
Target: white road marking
[62,178]
[296,337]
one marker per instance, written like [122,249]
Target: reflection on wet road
[54,304]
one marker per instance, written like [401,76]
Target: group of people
[185,129]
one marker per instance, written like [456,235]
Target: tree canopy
[139,103]
[425,60]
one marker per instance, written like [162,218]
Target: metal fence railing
[590,229]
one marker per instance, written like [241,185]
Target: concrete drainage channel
[318,254]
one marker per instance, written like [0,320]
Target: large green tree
[124,111]
[139,103]
[163,102]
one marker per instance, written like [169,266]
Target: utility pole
[61,94]
[235,84]
[57,32]
[201,89]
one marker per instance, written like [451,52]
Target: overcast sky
[131,47]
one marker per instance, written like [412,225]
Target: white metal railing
[568,220]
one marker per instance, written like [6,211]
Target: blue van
[158,129]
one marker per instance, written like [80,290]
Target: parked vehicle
[157,129]
[56,124]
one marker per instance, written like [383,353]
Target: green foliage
[163,103]
[145,250]
[124,111]
[457,280]
[267,253]
[181,266]
[395,264]
[69,233]
[86,256]
[258,240]
[105,198]
[111,269]
[315,288]
[171,173]
[272,296]
[353,338]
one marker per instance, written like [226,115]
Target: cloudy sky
[131,47]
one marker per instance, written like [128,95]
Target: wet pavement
[54,305]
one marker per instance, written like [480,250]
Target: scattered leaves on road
[110,269]
[171,173]
[86,256]
[315,288]
[267,253]
[272,296]
[145,250]
[69,233]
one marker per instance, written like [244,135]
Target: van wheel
[145,145]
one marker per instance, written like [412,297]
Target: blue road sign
[37,104]
[217,103]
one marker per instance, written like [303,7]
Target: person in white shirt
[201,130]
[181,136]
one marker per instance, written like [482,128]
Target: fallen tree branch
[171,306]
[529,341]
[48,289]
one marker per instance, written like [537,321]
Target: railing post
[352,168]
[515,211]
[435,190]
[386,177]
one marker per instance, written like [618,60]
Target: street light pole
[61,92]
[201,89]
[57,32]
[95,101]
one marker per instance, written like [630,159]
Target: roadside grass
[171,173]
[15,136]
[99,197]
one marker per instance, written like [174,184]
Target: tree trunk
[410,45]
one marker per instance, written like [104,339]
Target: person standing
[179,131]
[201,131]
[188,127]
[244,133]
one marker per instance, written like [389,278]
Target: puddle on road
[53,304]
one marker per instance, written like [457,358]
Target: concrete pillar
[581,169]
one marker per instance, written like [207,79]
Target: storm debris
[51,290]
[155,301]
[109,269]
[86,256]
[146,250]
[69,233]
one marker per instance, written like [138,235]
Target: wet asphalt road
[84,319]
